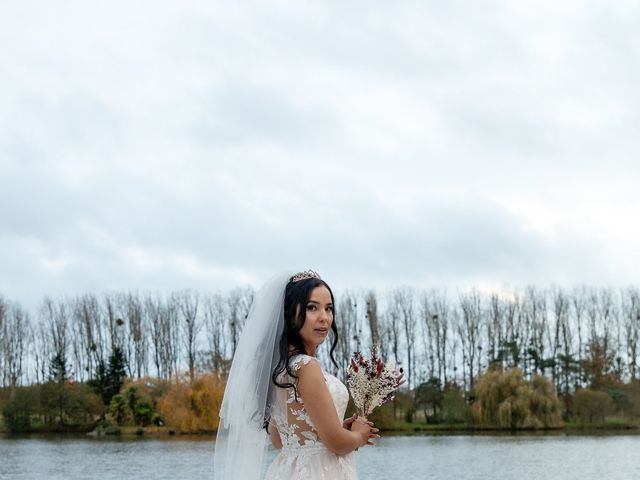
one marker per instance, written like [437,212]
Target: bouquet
[371,382]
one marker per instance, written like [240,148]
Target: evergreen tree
[58,368]
[109,378]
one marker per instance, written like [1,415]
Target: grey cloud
[380,144]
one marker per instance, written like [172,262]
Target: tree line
[513,359]
[157,336]
[576,337]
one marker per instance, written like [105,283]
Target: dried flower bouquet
[372,382]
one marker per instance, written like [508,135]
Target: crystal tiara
[304,275]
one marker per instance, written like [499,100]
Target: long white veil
[241,441]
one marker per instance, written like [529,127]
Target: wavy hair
[296,297]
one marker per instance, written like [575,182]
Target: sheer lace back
[303,455]
[291,418]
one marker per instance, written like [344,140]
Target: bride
[277,383]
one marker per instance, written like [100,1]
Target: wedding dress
[303,455]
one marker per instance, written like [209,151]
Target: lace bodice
[294,425]
[303,455]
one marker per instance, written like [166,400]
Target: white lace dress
[303,455]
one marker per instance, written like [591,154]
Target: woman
[275,381]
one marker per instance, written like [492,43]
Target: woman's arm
[275,435]
[321,410]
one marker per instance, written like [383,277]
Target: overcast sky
[161,145]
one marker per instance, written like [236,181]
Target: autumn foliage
[193,406]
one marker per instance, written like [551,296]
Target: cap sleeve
[298,361]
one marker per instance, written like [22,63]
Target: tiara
[304,275]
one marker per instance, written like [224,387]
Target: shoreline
[129,432]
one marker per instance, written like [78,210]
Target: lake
[443,457]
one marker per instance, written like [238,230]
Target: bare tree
[14,339]
[565,366]
[188,302]
[171,336]
[440,319]
[454,348]
[41,351]
[385,337]
[578,305]
[163,327]
[392,322]
[429,325]
[89,345]
[617,323]
[403,309]
[347,326]
[152,305]
[562,336]
[115,323]
[239,302]
[216,332]
[4,337]
[154,311]
[599,309]
[55,317]
[372,316]
[495,328]
[631,309]
[526,326]
[434,311]
[469,331]
[537,332]
[137,335]
[507,318]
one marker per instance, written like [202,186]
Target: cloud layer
[166,145]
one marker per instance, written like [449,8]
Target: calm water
[430,457]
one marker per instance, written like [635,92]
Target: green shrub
[428,397]
[18,410]
[454,406]
[503,398]
[620,401]
[118,409]
[382,417]
[143,413]
[591,406]
[69,404]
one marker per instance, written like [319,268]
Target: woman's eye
[311,307]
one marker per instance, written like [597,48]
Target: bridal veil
[241,441]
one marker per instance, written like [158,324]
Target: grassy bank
[610,425]
[150,431]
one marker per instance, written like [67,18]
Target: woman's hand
[348,421]
[362,426]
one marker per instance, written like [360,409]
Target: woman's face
[319,310]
